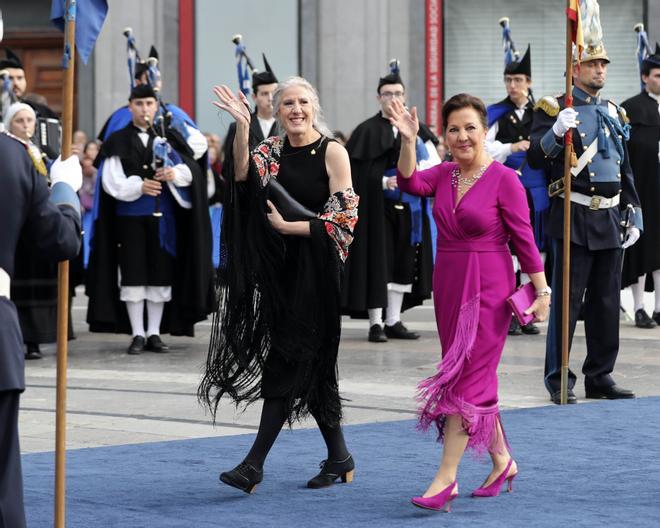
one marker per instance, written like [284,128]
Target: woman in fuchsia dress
[480,206]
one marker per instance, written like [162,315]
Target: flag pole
[568,157]
[63,278]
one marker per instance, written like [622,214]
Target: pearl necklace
[457,177]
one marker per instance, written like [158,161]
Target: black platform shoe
[331,471]
[245,477]
[32,351]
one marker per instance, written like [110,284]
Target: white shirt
[129,188]
[197,142]
[266,125]
[496,149]
[656,97]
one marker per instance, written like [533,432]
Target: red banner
[187,56]
[434,54]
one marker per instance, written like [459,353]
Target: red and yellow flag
[573,13]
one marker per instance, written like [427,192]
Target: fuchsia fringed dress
[472,279]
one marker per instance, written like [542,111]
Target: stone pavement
[114,398]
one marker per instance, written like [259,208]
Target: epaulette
[549,105]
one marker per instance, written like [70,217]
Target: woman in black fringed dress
[276,331]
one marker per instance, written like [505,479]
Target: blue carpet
[580,465]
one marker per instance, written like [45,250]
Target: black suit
[26,213]
[644,257]
[595,246]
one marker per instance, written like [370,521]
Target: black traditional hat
[142,67]
[522,67]
[12,60]
[394,77]
[653,61]
[264,77]
[142,91]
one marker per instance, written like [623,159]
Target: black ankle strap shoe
[332,470]
[245,477]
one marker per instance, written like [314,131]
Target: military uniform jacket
[27,213]
[607,174]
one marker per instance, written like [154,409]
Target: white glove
[68,171]
[632,236]
[565,120]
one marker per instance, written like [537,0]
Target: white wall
[347,46]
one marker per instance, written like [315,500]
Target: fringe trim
[438,399]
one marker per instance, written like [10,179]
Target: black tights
[273,416]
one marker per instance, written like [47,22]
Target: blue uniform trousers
[596,278]
[12,510]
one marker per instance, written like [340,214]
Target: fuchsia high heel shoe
[441,501]
[494,488]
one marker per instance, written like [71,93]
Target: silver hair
[317,121]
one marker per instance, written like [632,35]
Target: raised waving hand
[236,105]
[405,121]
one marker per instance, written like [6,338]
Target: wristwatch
[543,291]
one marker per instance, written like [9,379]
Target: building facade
[341,46]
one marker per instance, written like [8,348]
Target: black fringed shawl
[257,311]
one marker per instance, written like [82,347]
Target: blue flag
[89,16]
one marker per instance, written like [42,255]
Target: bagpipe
[133,55]
[243,62]
[7,96]
[511,53]
[164,118]
[643,48]
[161,150]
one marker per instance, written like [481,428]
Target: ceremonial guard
[603,196]
[52,226]
[642,261]
[151,223]
[12,63]
[507,141]
[391,261]
[262,124]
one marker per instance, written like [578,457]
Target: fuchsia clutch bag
[522,299]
